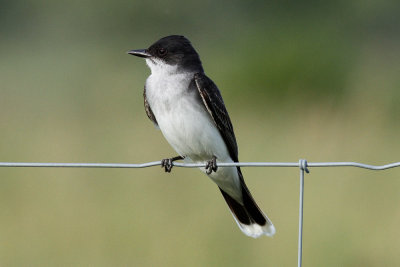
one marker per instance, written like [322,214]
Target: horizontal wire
[196,165]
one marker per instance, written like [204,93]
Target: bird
[188,108]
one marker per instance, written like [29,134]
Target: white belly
[183,119]
[189,128]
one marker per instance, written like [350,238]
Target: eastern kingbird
[188,108]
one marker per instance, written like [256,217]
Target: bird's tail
[251,220]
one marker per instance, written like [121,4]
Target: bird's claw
[211,165]
[166,164]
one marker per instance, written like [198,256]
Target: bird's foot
[167,163]
[211,165]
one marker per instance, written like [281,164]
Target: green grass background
[300,79]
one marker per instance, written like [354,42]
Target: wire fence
[197,165]
[303,165]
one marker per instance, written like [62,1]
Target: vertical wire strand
[303,167]
[300,252]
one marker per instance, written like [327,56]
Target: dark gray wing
[214,104]
[148,110]
[248,212]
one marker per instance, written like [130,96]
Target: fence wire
[303,165]
[197,165]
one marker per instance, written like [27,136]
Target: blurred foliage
[315,80]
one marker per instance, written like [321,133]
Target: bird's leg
[211,165]
[167,163]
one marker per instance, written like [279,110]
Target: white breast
[182,118]
[186,124]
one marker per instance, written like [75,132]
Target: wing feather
[148,110]
[215,106]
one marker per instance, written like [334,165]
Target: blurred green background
[310,79]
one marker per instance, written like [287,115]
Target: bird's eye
[162,52]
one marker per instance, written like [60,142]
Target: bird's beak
[139,53]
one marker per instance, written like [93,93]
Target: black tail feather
[248,213]
[237,209]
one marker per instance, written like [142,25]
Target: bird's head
[173,53]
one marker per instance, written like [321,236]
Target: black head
[174,50]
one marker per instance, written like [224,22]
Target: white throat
[159,67]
